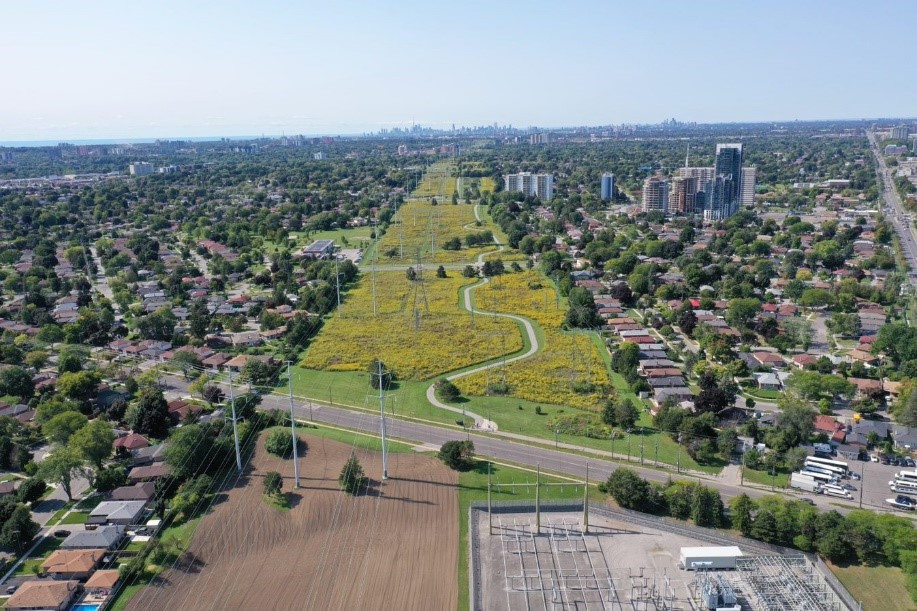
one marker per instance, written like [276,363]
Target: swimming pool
[86,607]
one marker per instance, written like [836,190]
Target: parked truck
[804,482]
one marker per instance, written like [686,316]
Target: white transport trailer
[709,558]
[806,482]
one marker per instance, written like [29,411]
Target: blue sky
[105,69]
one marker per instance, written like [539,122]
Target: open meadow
[569,370]
[445,340]
[419,226]
[393,547]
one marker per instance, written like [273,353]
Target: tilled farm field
[394,547]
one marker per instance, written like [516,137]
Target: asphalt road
[896,211]
[556,461]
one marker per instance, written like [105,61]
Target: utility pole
[293,427]
[538,500]
[337,278]
[235,424]
[382,415]
[586,502]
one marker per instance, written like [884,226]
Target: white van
[832,490]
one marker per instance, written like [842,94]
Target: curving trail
[480,422]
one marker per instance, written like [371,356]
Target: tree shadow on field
[293,499]
[190,563]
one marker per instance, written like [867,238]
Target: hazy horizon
[106,70]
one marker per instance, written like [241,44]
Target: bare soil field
[395,547]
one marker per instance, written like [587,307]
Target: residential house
[150,455]
[802,360]
[130,443]
[7,488]
[143,491]
[866,387]
[768,381]
[102,583]
[904,437]
[148,473]
[45,595]
[835,431]
[103,537]
[72,563]
[124,513]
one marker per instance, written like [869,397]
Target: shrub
[279,443]
[352,477]
[273,483]
[458,455]
[447,391]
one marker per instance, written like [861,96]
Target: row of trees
[861,536]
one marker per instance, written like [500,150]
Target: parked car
[11,589]
[62,533]
[854,475]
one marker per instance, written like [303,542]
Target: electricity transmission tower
[419,290]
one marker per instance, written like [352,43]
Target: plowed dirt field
[394,547]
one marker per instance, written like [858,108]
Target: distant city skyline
[110,71]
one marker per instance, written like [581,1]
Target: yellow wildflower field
[421,226]
[445,341]
[438,181]
[568,362]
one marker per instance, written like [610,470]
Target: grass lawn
[409,399]
[473,487]
[60,513]
[44,549]
[90,502]
[358,439]
[76,517]
[877,587]
[781,480]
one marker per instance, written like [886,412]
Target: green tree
[94,442]
[108,479]
[31,490]
[706,507]
[742,508]
[446,390]
[626,414]
[279,443]
[458,455]
[796,419]
[379,372]
[629,490]
[60,467]
[62,427]
[149,414]
[158,325]
[188,363]
[441,272]
[582,312]
[17,382]
[741,312]
[352,477]
[273,483]
[80,386]
[19,530]
[259,372]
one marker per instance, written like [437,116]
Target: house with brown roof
[101,583]
[148,473]
[142,491]
[131,442]
[866,387]
[72,563]
[49,595]
[801,360]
